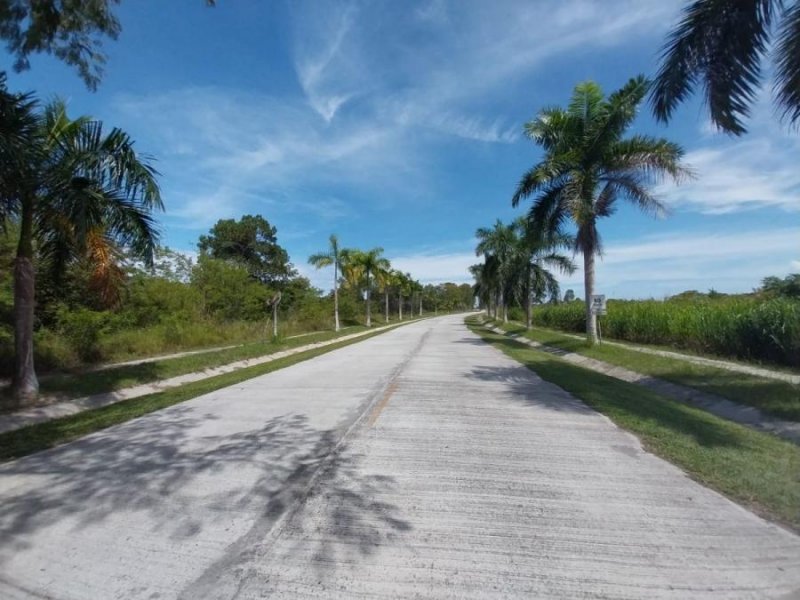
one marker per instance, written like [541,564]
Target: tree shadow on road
[179,472]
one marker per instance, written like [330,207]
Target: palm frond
[719,44]
[787,63]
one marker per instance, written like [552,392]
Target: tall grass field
[748,328]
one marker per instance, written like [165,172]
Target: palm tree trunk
[369,316]
[528,320]
[275,320]
[386,301]
[25,383]
[336,295]
[400,306]
[420,305]
[505,306]
[588,284]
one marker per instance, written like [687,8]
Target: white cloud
[754,173]
[657,266]
[437,268]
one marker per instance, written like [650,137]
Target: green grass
[34,438]
[753,468]
[778,398]
[76,385]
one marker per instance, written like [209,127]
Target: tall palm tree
[499,241]
[331,257]
[538,256]
[588,166]
[370,262]
[720,45]
[483,288]
[385,277]
[77,193]
[400,283]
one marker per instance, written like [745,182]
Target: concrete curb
[41,414]
[721,407]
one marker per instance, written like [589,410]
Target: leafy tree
[788,287]
[70,30]
[720,45]
[76,193]
[330,257]
[569,296]
[228,291]
[252,242]
[588,166]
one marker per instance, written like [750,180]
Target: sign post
[599,308]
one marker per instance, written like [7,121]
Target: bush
[83,329]
[734,326]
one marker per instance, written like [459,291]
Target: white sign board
[598,304]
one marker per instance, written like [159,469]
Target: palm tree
[483,287]
[370,263]
[332,256]
[720,45]
[539,253]
[588,166]
[499,241]
[385,278]
[77,193]
[400,282]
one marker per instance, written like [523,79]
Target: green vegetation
[753,468]
[719,47]
[116,378]
[589,166]
[76,194]
[749,327]
[34,438]
[517,265]
[778,398]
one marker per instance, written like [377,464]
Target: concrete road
[418,464]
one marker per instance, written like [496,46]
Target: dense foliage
[749,327]
[179,303]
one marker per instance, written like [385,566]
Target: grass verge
[778,398]
[753,468]
[76,385]
[42,436]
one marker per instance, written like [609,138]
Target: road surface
[419,463]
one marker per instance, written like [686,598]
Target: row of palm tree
[518,266]
[589,166]
[78,194]
[366,270]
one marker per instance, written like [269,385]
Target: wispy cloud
[743,175]
[317,51]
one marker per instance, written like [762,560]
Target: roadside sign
[598,304]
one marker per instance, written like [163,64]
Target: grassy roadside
[76,385]
[755,469]
[34,438]
[778,398]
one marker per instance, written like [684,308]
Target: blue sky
[398,125]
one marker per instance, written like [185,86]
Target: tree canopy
[70,30]
[252,242]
